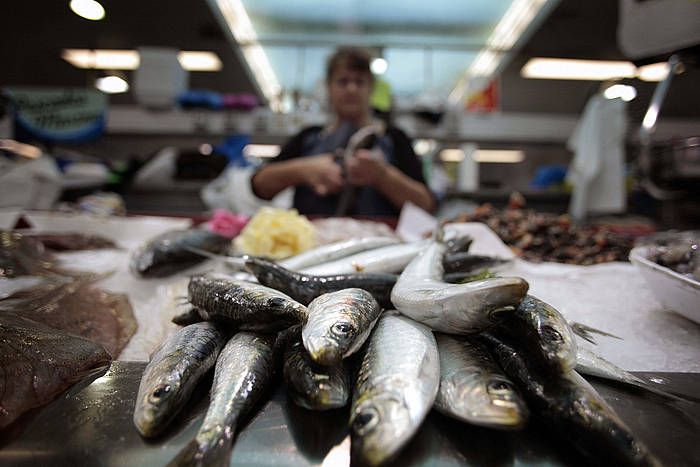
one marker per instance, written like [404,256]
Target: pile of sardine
[373,323]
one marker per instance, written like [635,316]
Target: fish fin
[586,332]
[215,451]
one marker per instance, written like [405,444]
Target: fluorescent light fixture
[112,84]
[452,155]
[199,61]
[593,70]
[261,150]
[653,72]
[564,68]
[620,91]
[379,66]
[241,28]
[501,156]
[88,9]
[504,36]
[104,59]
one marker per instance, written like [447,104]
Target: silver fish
[544,332]
[311,385]
[420,294]
[589,363]
[474,389]
[243,372]
[247,305]
[390,259]
[396,387]
[333,251]
[338,324]
[172,374]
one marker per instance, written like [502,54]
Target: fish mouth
[146,423]
[323,351]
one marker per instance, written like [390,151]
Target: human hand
[322,174]
[365,168]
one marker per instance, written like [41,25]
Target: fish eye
[341,329]
[498,387]
[365,421]
[551,334]
[161,391]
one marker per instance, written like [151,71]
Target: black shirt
[367,201]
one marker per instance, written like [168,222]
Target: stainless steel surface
[91,425]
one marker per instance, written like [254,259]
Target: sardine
[172,374]
[170,252]
[544,332]
[243,372]
[311,385]
[388,259]
[333,251]
[420,294]
[304,288]
[338,324]
[572,407]
[247,305]
[38,363]
[588,363]
[396,387]
[474,389]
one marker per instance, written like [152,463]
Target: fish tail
[214,450]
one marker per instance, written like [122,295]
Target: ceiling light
[88,9]
[564,68]
[452,155]
[242,31]
[653,72]
[620,91]
[261,150]
[205,149]
[199,61]
[502,156]
[104,59]
[504,37]
[593,70]
[112,84]
[379,66]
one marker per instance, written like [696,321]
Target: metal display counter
[91,425]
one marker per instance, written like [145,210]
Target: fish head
[154,406]
[558,345]
[379,427]
[500,404]
[328,342]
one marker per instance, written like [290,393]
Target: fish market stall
[92,422]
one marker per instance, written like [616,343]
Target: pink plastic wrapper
[226,223]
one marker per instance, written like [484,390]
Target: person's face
[349,92]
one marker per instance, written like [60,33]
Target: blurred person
[382,178]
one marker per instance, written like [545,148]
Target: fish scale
[243,372]
[421,294]
[396,386]
[244,304]
[172,374]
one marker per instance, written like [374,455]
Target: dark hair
[352,58]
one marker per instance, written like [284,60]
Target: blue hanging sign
[66,115]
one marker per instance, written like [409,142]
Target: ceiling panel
[428,45]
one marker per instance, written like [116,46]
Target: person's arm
[319,172]
[366,170]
